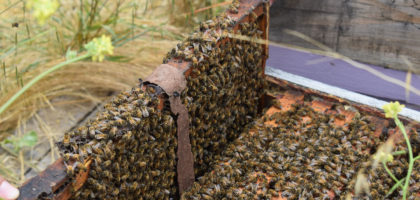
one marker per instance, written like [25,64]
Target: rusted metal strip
[173,82]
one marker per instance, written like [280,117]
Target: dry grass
[137,57]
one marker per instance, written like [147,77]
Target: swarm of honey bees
[132,147]
[224,87]
[132,144]
[297,158]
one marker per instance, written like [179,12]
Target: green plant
[29,48]
[18,143]
[385,154]
[97,49]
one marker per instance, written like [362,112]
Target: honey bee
[81,166]
[397,171]
[131,121]
[123,186]
[127,136]
[142,164]
[233,9]
[91,132]
[66,140]
[67,157]
[100,187]
[115,191]
[70,169]
[106,163]
[113,132]
[83,132]
[134,186]
[101,136]
[145,112]
[125,177]
[107,174]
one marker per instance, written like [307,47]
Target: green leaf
[8,141]
[31,66]
[109,29]
[118,58]
[94,27]
[27,140]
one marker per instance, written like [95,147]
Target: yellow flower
[392,109]
[99,47]
[42,9]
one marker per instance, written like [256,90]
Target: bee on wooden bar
[66,139]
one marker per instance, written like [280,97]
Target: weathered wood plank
[378,32]
[60,120]
[317,23]
[327,6]
[381,33]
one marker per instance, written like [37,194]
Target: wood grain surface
[379,32]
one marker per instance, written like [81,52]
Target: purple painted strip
[341,74]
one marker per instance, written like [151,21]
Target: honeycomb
[224,87]
[132,146]
[297,152]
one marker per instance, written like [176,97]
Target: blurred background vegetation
[142,31]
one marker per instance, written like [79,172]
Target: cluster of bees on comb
[286,156]
[131,146]
[224,86]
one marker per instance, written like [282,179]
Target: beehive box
[197,114]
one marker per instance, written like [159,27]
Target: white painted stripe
[336,91]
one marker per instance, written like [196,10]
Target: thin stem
[39,77]
[22,166]
[7,173]
[397,153]
[11,152]
[11,6]
[390,174]
[417,157]
[12,49]
[410,154]
[399,183]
